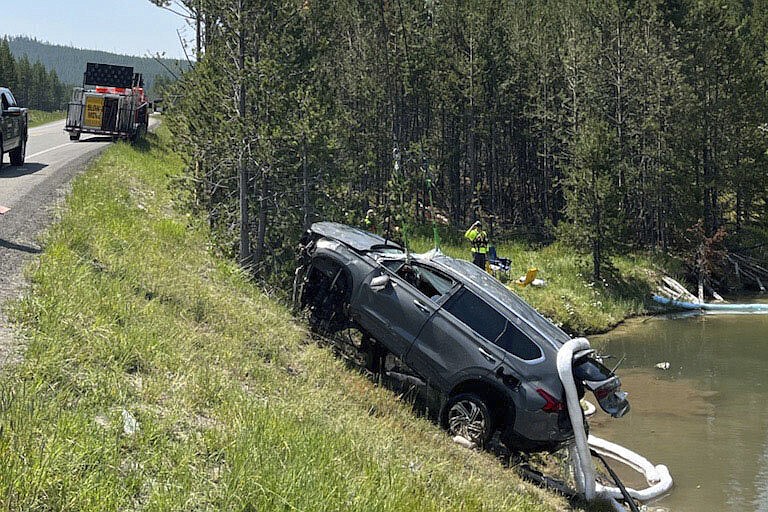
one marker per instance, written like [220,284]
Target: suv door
[392,309]
[457,341]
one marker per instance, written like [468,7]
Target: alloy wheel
[469,419]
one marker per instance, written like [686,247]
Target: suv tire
[468,415]
[17,154]
[326,296]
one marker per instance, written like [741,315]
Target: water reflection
[706,417]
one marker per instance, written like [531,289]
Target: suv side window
[432,284]
[6,103]
[491,325]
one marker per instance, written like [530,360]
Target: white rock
[130,424]
[463,441]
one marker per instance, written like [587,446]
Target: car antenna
[619,363]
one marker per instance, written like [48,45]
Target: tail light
[552,405]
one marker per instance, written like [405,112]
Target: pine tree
[610,123]
[8,71]
[591,196]
[24,81]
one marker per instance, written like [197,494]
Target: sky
[132,27]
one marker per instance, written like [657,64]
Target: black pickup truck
[13,129]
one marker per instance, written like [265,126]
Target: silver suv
[486,357]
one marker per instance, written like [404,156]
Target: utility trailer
[111,102]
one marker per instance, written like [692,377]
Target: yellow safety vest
[479,239]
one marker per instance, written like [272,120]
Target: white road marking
[49,149]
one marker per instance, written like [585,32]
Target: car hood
[353,237]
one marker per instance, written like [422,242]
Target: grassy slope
[129,311]
[38,117]
[571,298]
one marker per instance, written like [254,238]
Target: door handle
[486,355]
[421,307]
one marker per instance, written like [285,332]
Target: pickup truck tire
[2,152]
[18,154]
[467,415]
[74,136]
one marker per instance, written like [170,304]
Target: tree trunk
[198,31]
[597,227]
[245,224]
[261,235]
[305,184]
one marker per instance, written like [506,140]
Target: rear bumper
[543,428]
[95,131]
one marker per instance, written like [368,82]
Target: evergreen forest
[32,85]
[610,125]
[69,62]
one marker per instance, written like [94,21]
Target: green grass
[571,298]
[39,117]
[129,310]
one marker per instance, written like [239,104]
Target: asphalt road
[31,194]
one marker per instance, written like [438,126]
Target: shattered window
[440,283]
[432,284]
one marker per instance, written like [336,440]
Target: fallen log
[747,269]
[680,289]
[751,263]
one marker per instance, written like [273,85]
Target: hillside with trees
[33,85]
[69,62]
[612,125]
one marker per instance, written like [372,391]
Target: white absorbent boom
[658,477]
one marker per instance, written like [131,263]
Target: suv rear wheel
[467,415]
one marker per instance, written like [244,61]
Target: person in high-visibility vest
[479,239]
[370,221]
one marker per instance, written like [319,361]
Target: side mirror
[12,111]
[379,283]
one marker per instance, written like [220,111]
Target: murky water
[706,417]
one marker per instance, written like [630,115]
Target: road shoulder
[21,229]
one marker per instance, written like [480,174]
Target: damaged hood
[353,237]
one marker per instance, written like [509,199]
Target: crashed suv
[485,357]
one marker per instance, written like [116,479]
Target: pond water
[706,417]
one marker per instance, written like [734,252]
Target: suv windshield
[506,297]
